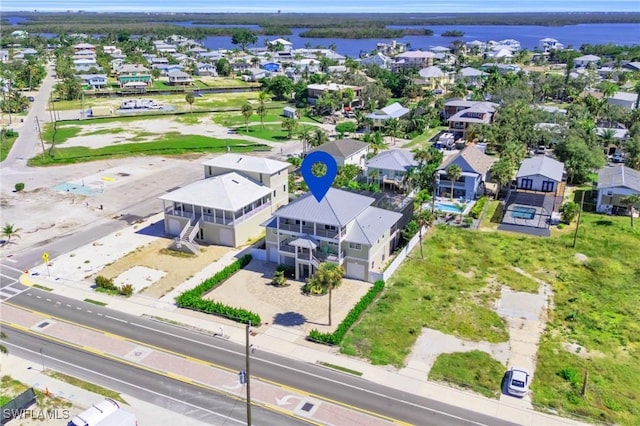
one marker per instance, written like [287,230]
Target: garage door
[226,237]
[355,270]
[174,227]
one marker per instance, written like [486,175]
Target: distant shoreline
[323,20]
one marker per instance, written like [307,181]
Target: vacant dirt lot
[178,267]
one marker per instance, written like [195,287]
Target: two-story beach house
[314,91]
[391,168]
[130,75]
[345,151]
[468,114]
[474,165]
[614,184]
[416,59]
[94,81]
[238,193]
[343,228]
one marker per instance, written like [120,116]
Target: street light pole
[248,370]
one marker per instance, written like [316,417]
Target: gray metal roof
[336,208]
[371,224]
[247,163]
[470,159]
[543,166]
[395,110]
[229,192]
[394,159]
[609,177]
[342,148]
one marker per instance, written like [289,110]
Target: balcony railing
[326,233]
[182,213]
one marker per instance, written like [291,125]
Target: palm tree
[305,135]
[190,100]
[376,142]
[319,137]
[392,127]
[247,112]
[9,231]
[423,218]
[454,172]
[327,277]
[633,202]
[263,98]
[502,172]
[3,349]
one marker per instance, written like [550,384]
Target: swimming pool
[449,208]
[521,212]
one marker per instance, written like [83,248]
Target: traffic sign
[45,257]
[242,375]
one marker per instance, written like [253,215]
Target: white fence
[375,276]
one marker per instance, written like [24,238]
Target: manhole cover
[307,407]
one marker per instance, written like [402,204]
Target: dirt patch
[179,267]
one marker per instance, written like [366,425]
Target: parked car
[541,150]
[31,98]
[518,382]
[618,157]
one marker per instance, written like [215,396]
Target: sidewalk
[31,374]
[279,340]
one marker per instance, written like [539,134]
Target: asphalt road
[321,382]
[201,404]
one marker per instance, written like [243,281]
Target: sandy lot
[287,306]
[177,267]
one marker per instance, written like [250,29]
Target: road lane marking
[170,375]
[306,373]
[131,384]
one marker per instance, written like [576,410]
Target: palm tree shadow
[289,319]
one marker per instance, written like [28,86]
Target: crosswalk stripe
[12,290]
[8,259]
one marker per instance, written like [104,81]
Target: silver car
[518,382]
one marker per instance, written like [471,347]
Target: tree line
[319,20]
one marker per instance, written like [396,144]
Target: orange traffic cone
[46,392]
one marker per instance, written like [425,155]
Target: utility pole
[248,371]
[575,235]
[40,134]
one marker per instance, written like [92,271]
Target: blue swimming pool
[521,212]
[449,208]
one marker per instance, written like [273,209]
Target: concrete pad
[139,277]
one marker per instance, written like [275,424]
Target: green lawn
[172,143]
[5,145]
[270,132]
[595,306]
[422,141]
[474,370]
[87,386]
[229,119]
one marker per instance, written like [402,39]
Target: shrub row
[192,299]
[336,337]
[477,209]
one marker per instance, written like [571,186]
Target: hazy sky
[376,6]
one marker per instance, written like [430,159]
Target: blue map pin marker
[319,185]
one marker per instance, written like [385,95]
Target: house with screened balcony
[228,206]
[344,228]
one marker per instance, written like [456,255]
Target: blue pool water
[448,208]
[520,212]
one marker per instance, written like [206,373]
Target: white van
[94,415]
